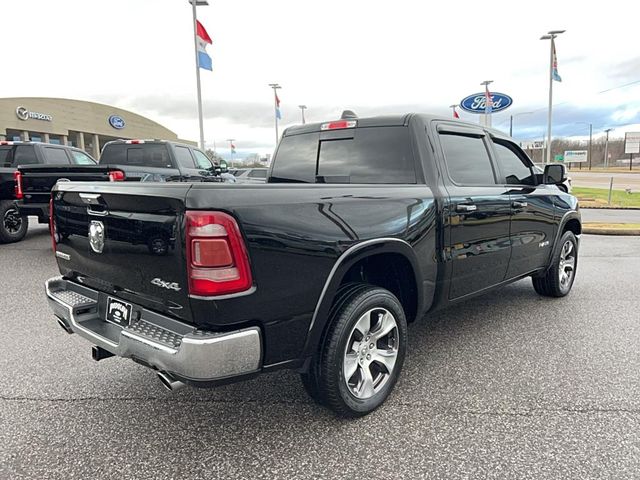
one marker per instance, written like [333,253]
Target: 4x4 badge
[96,236]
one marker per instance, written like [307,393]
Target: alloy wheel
[371,353]
[12,221]
[567,264]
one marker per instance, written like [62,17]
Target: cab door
[478,211]
[533,226]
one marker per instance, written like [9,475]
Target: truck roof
[385,121]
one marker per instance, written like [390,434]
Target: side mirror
[554,174]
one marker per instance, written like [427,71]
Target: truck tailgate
[126,240]
[37,180]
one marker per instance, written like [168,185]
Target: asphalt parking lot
[509,385]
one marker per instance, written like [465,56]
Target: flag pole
[195,48]
[275,87]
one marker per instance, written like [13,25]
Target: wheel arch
[376,250]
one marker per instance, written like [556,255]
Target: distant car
[565,186]
[253,175]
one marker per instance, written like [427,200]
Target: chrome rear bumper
[158,341]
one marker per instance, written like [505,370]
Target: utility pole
[276,105]
[194,4]
[606,148]
[550,36]
[302,109]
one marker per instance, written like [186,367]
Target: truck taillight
[217,259]
[116,176]
[18,193]
[52,225]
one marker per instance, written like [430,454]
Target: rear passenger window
[5,157]
[185,160]
[467,159]
[24,155]
[514,168]
[55,156]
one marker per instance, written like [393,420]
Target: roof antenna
[348,114]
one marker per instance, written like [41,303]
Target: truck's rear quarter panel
[295,234]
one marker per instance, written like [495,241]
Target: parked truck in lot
[120,160]
[364,225]
[16,155]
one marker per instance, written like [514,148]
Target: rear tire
[559,278]
[362,353]
[13,226]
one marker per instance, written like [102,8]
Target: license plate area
[118,312]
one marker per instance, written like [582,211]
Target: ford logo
[476,103]
[116,122]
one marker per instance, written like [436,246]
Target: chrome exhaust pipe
[64,325]
[169,382]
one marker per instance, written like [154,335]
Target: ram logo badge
[158,282]
[96,236]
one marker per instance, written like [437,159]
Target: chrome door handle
[519,204]
[465,208]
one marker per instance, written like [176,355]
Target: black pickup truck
[364,225]
[16,155]
[120,160]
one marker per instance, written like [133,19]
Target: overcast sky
[370,56]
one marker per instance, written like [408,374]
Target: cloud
[628,71]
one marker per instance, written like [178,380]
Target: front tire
[362,353]
[559,278]
[13,226]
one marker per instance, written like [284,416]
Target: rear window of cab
[358,155]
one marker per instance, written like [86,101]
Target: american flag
[488,102]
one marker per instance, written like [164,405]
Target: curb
[606,207]
[609,230]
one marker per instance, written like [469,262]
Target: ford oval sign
[476,103]
[116,122]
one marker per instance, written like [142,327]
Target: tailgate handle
[90,198]
[100,213]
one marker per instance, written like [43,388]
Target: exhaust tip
[64,326]
[169,382]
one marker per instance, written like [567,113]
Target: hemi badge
[63,256]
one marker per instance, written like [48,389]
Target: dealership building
[86,125]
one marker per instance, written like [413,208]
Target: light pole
[453,107]
[488,103]
[194,4]
[302,109]
[276,102]
[550,36]
[590,140]
[606,148]
[511,121]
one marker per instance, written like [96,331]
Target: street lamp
[606,148]
[194,4]
[590,138]
[302,109]
[550,36]
[275,87]
[487,109]
[511,121]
